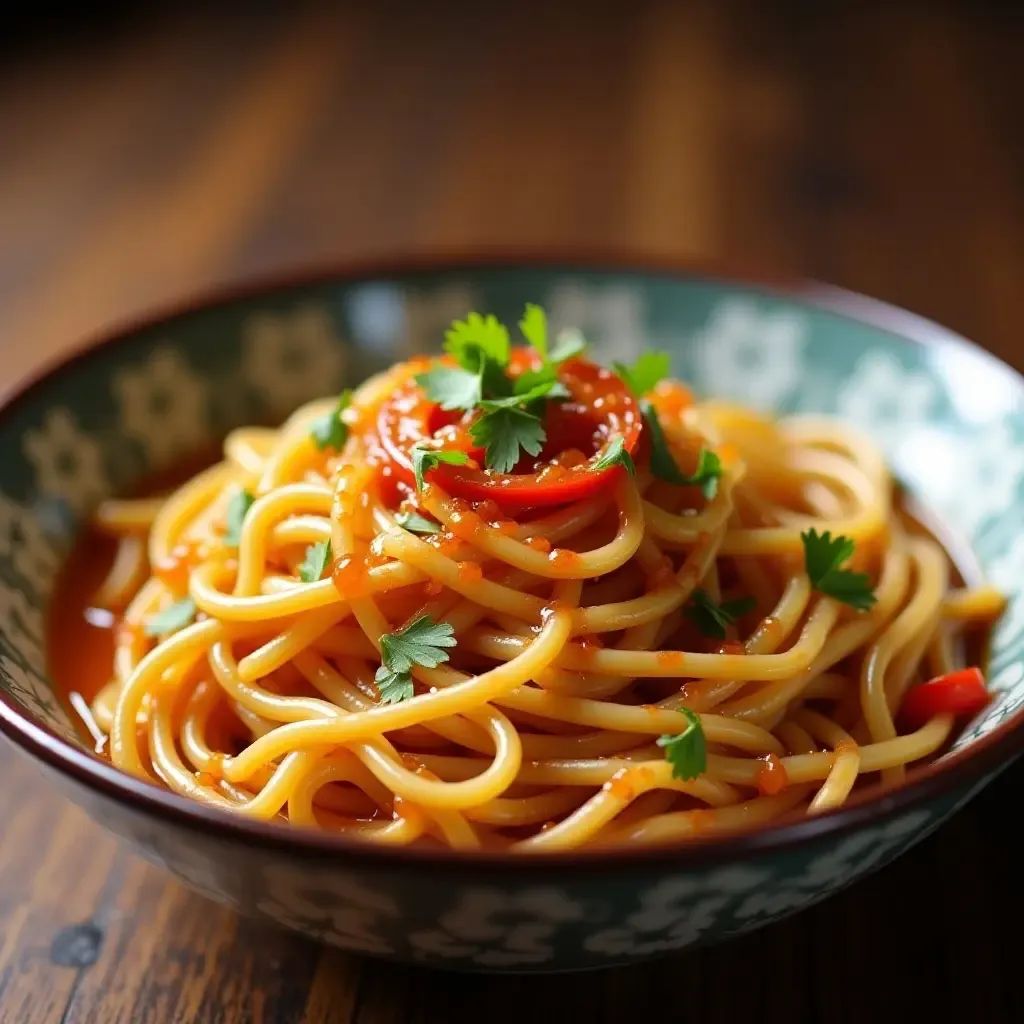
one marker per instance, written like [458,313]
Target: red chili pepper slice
[961,693]
[600,407]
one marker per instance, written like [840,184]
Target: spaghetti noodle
[511,599]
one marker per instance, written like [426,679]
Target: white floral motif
[611,318]
[749,354]
[68,463]
[340,910]
[23,540]
[163,405]
[989,472]
[981,473]
[499,929]
[887,399]
[290,359]
[851,858]
[676,912]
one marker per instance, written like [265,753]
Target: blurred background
[148,151]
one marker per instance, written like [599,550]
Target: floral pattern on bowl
[950,418]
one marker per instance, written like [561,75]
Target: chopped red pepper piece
[960,693]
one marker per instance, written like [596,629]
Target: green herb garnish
[712,619]
[328,431]
[174,617]
[615,454]
[823,556]
[415,523]
[422,642]
[238,508]
[426,459]
[663,466]
[317,558]
[687,752]
[506,433]
[649,369]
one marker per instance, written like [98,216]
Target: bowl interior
[949,417]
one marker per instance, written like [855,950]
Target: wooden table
[878,149]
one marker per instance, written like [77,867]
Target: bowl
[949,416]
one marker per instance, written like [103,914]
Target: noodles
[645,634]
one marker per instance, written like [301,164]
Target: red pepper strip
[599,408]
[960,693]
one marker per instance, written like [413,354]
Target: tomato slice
[960,693]
[600,407]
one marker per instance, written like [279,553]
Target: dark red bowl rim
[960,770]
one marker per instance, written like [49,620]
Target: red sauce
[732,647]
[80,644]
[771,776]
[80,654]
[488,511]
[619,785]
[128,633]
[349,576]
[662,573]
[563,560]
[174,570]
[671,659]
[541,544]
[465,525]
[470,572]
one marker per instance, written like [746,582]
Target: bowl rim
[968,767]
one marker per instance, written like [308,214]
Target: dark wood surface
[879,147]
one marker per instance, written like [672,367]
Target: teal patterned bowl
[950,417]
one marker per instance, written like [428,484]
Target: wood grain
[876,146]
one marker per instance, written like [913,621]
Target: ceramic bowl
[949,416]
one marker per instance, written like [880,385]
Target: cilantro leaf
[493,382]
[477,336]
[419,643]
[649,369]
[174,617]
[687,752]
[529,383]
[712,619]
[663,466]
[451,388]
[328,431]
[570,342]
[504,432]
[415,523]
[543,389]
[315,562]
[534,326]
[422,642]
[426,459]
[394,687]
[237,510]
[823,556]
[615,454]
[705,476]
